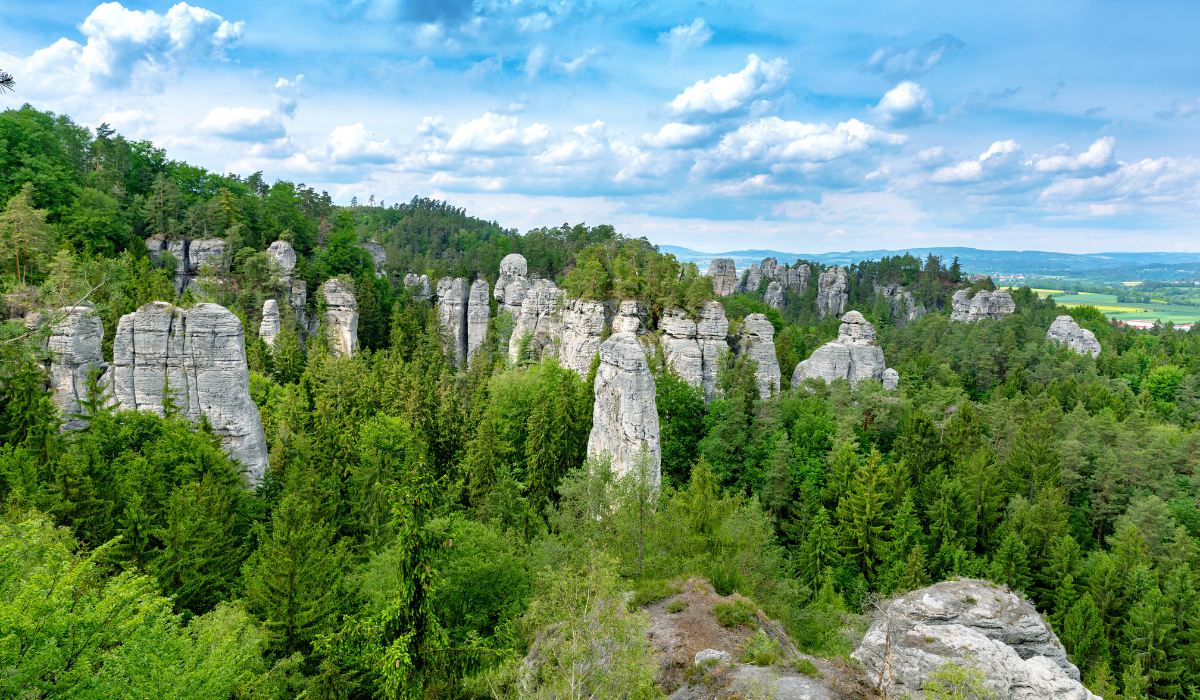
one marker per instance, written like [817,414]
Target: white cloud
[894,63]
[125,48]
[1180,109]
[776,144]
[907,103]
[686,37]
[1098,156]
[495,134]
[243,124]
[1154,181]
[855,208]
[1001,158]
[355,145]
[535,60]
[130,122]
[726,94]
[676,135]
[287,92]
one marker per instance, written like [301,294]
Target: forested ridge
[424,522]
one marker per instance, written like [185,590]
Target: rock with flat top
[624,414]
[854,356]
[284,256]
[774,295]
[712,655]
[341,317]
[1064,331]
[724,276]
[757,339]
[453,297]
[969,622]
[190,256]
[74,343]
[631,318]
[793,278]
[711,333]
[418,285]
[833,292]
[891,379]
[985,304]
[199,356]
[751,278]
[681,346]
[583,322]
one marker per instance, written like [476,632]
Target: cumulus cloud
[893,62]
[1098,156]
[1001,158]
[728,94]
[243,124]
[777,145]
[686,37]
[1180,109]
[131,122]
[539,59]
[676,135]
[355,145]
[126,48]
[494,134]
[1151,181]
[287,92]
[903,105]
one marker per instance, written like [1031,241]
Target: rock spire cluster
[624,415]
[190,256]
[854,356]
[1064,331]
[985,304]
[726,281]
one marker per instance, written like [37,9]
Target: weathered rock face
[200,354]
[724,274]
[269,328]
[583,323]
[793,278]
[513,283]
[624,415]
[378,254]
[833,291]
[984,304]
[75,342]
[711,332]
[904,306]
[190,256]
[891,379]
[854,356]
[285,257]
[977,278]
[453,298]
[751,278]
[1064,331]
[774,295]
[969,621]
[540,319]
[681,346]
[757,338]
[478,313]
[418,286]
[341,317]
[630,318]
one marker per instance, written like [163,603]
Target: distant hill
[1005,262]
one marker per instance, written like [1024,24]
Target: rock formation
[903,305]
[681,347]
[1064,331]
[984,304]
[200,355]
[793,278]
[269,328]
[341,317]
[711,332]
[583,322]
[540,319]
[284,256]
[833,291]
[190,256]
[478,312]
[418,286]
[751,278]
[513,283]
[854,356]
[75,346]
[891,379]
[975,622]
[757,338]
[774,295]
[630,318]
[624,415]
[977,278]
[724,275]
[453,297]
[378,254]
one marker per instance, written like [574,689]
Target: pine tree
[288,356]
[293,580]
[1135,682]
[863,515]
[1010,563]
[1149,635]
[777,491]
[1083,634]
[201,551]
[24,234]
[914,573]
[819,553]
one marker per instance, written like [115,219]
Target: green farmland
[1111,308]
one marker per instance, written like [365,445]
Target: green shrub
[676,606]
[808,668]
[652,591]
[738,612]
[760,650]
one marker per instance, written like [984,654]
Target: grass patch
[652,591]
[677,606]
[739,612]
[808,668]
[760,650]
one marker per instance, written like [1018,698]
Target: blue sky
[809,127]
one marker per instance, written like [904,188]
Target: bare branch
[7,82]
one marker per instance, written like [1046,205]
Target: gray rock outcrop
[284,258]
[681,346]
[624,415]
[583,322]
[774,295]
[724,275]
[903,305]
[833,291]
[969,621]
[478,312]
[631,318]
[378,255]
[540,320]
[513,283]
[751,278]
[75,346]
[418,286]
[711,333]
[200,354]
[854,356]
[341,317]
[453,296]
[984,304]
[190,256]
[1064,331]
[757,339]
[891,379]
[269,328]
[977,278]
[792,278]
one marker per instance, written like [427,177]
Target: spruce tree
[1149,637]
[1010,563]
[819,553]
[201,552]
[863,515]
[777,491]
[1033,463]
[1083,634]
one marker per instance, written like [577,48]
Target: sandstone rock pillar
[453,297]
[624,415]
[478,313]
[341,317]
[757,339]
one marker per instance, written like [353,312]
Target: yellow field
[1105,307]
